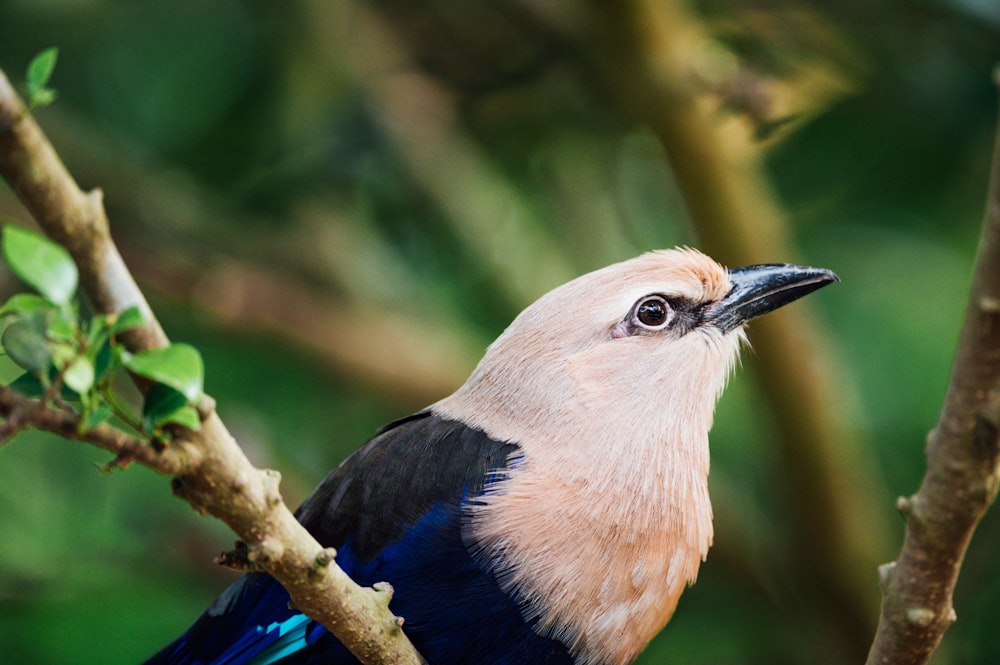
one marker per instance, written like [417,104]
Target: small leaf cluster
[39,72]
[71,360]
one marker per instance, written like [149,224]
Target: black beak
[760,289]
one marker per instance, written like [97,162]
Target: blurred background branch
[346,201]
[658,68]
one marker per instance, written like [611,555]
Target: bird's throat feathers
[605,517]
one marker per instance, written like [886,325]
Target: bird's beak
[760,289]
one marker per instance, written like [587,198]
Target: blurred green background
[342,203]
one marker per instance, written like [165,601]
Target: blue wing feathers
[394,511]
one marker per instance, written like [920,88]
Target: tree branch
[21,412]
[210,471]
[962,475]
[416,113]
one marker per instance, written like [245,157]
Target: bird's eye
[652,312]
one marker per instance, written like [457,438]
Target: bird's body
[553,508]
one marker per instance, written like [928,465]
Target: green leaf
[97,331]
[28,385]
[127,320]
[178,366]
[24,303]
[103,358]
[165,405]
[42,97]
[42,264]
[64,326]
[79,376]
[99,415]
[9,370]
[186,417]
[41,67]
[62,354]
[25,341]
[39,72]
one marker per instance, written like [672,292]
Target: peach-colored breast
[603,564]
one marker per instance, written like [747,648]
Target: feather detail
[396,510]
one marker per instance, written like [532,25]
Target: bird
[554,507]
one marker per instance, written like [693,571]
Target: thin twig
[21,412]
[962,475]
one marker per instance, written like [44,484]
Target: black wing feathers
[394,480]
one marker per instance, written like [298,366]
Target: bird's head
[662,329]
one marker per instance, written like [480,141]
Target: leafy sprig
[71,360]
[39,72]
